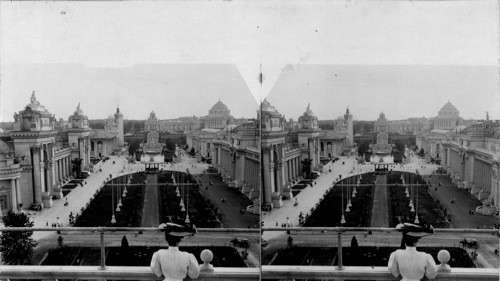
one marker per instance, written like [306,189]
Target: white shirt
[174,265]
[411,264]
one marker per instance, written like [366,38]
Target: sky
[141,54]
[169,90]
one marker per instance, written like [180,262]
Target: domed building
[45,163]
[218,117]
[231,146]
[448,118]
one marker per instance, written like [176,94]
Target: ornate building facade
[232,149]
[284,151]
[218,117]
[180,124]
[36,157]
[448,118]
[471,156]
[410,125]
[110,140]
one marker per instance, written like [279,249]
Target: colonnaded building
[232,149]
[35,158]
[410,125]
[469,150]
[283,151]
[471,156]
[219,116]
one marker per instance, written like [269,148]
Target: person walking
[171,263]
[409,263]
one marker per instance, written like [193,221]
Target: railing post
[339,251]
[103,252]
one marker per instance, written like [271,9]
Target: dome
[267,108]
[448,110]
[4,148]
[308,114]
[35,105]
[110,117]
[79,112]
[219,109]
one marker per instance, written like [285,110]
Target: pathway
[235,201]
[380,210]
[464,201]
[150,213]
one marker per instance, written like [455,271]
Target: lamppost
[113,219]
[342,221]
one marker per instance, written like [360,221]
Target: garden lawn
[328,213]
[428,210]
[99,210]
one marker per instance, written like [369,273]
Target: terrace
[267,272]
[335,236]
[103,272]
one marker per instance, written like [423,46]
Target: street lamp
[187,206]
[342,221]
[113,219]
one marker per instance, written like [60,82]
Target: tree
[289,242]
[60,241]
[421,153]
[124,251]
[354,247]
[17,246]
[76,166]
[306,166]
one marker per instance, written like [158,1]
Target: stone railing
[119,273]
[208,272]
[341,272]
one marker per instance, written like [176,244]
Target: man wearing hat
[173,264]
[411,264]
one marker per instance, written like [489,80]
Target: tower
[348,124]
[119,126]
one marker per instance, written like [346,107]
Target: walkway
[464,201]
[150,212]
[380,209]
[235,201]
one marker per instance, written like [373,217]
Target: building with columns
[280,159]
[110,140]
[36,157]
[10,177]
[45,164]
[448,118]
[176,125]
[471,156]
[218,117]
[410,125]
[236,154]
[284,151]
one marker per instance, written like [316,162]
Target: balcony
[103,272]
[340,272]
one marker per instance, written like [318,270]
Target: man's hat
[177,228]
[414,230]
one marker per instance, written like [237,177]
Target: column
[18,191]
[267,188]
[13,195]
[64,167]
[37,175]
